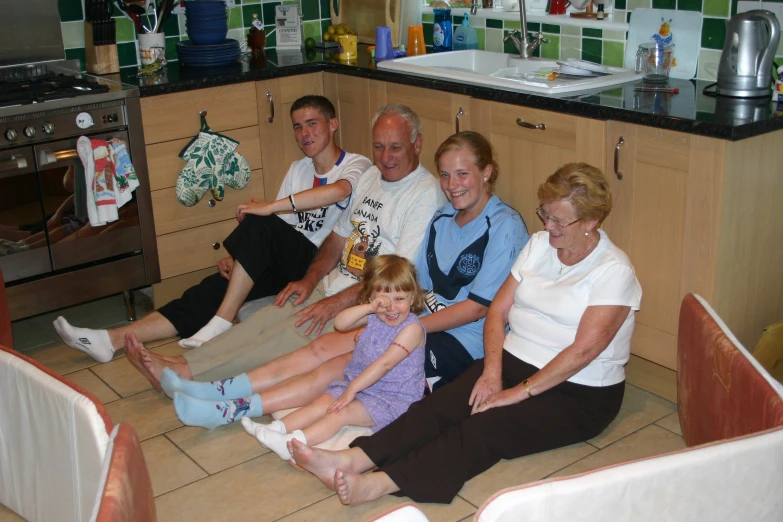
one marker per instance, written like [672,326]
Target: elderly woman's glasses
[544,216]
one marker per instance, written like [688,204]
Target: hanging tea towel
[212,163]
[124,174]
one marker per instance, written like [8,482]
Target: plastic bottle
[465,36]
[441,31]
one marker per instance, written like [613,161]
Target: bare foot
[321,463]
[355,489]
[134,351]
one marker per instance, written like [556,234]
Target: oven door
[73,239]
[23,243]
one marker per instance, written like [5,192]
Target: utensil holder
[99,59]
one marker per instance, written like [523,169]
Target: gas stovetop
[36,89]
[46,88]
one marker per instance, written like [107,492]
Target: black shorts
[444,359]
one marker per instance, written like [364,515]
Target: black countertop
[690,111]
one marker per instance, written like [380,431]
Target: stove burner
[41,89]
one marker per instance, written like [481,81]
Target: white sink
[503,71]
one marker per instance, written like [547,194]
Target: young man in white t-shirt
[273,245]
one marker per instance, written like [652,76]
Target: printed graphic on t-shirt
[311,220]
[432,302]
[469,264]
[361,246]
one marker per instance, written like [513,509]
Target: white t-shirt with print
[548,306]
[316,224]
[385,218]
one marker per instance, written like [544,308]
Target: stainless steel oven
[50,254]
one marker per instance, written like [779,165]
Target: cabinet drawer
[165,164]
[174,116]
[560,128]
[191,250]
[172,216]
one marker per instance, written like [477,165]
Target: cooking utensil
[588,66]
[746,60]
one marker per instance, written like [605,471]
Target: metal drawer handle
[211,202]
[215,245]
[527,125]
[16,162]
[271,118]
[617,172]
[48,156]
[460,112]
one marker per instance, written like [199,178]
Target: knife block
[99,59]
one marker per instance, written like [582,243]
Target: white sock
[95,343]
[215,326]
[276,442]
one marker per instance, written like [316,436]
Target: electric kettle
[745,69]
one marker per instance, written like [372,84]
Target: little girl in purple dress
[385,375]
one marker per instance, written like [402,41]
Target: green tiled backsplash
[315,14]
[597,45]
[605,46]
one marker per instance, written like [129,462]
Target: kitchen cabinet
[278,146]
[437,110]
[190,239]
[693,214]
[350,96]
[357,100]
[530,144]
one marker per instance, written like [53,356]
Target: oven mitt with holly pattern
[205,156]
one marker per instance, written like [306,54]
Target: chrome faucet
[474,7]
[523,44]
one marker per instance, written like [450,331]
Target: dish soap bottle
[256,37]
[465,36]
[441,30]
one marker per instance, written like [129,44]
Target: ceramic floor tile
[331,510]
[150,413]
[671,423]
[218,449]
[169,468]
[122,377]
[6,515]
[508,473]
[639,409]
[90,382]
[263,489]
[649,441]
[60,358]
[652,377]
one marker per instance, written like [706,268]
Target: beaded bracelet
[291,199]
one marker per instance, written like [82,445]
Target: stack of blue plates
[208,55]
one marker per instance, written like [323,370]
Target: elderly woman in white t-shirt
[555,379]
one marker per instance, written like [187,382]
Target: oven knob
[29,131]
[11,135]
[48,128]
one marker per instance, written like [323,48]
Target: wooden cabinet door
[437,111]
[351,98]
[648,221]
[278,146]
[527,156]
